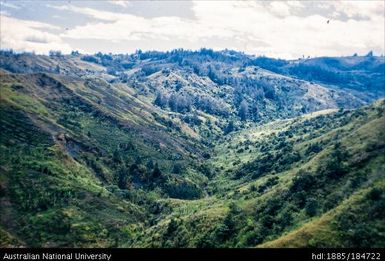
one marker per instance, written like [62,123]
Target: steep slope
[50,199]
[360,75]
[314,168]
[197,149]
[64,156]
[353,223]
[226,85]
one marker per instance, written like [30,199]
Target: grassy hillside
[187,149]
[359,75]
[350,224]
[338,170]
[97,168]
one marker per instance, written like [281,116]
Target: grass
[78,160]
[322,232]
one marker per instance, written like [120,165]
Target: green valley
[191,149]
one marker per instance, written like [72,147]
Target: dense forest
[191,149]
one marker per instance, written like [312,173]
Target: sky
[280,29]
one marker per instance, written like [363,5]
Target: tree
[229,226]
[255,112]
[150,164]
[161,100]
[229,128]
[311,207]
[184,104]
[57,69]
[123,179]
[177,168]
[212,74]
[172,227]
[335,167]
[179,103]
[116,156]
[178,86]
[303,181]
[268,89]
[156,173]
[53,53]
[173,102]
[243,110]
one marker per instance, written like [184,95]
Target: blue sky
[285,29]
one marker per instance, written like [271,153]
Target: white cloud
[281,9]
[4,12]
[101,15]
[254,27]
[9,5]
[295,4]
[120,3]
[24,35]
[359,8]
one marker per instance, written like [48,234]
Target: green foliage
[180,149]
[311,207]
[362,225]
[182,189]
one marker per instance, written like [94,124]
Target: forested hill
[191,149]
[223,83]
